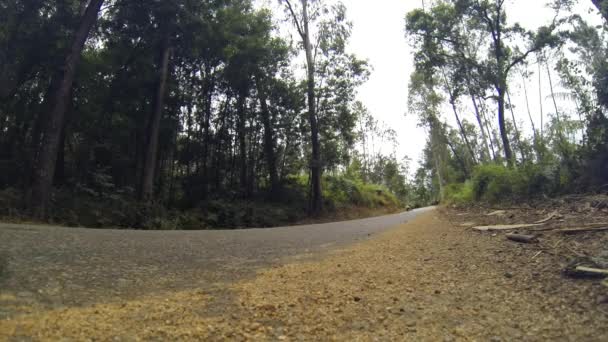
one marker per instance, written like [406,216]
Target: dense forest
[512,113]
[185,114]
[192,114]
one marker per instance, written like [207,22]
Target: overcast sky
[378,35]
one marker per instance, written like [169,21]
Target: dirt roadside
[426,280]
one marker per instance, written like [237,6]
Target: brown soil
[426,280]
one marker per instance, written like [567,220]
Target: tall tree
[302,18]
[151,147]
[58,101]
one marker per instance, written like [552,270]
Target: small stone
[357,299]
[508,275]
[437,292]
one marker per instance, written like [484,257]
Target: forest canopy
[184,114]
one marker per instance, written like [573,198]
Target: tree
[58,100]
[323,32]
[302,17]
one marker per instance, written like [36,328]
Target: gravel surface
[59,266]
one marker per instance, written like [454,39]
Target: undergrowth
[119,208]
[493,183]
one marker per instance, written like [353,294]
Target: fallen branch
[506,227]
[586,272]
[587,227]
[522,238]
[549,218]
[497,213]
[581,230]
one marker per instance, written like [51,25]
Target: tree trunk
[517,133]
[540,98]
[439,152]
[208,95]
[481,129]
[500,83]
[534,132]
[484,116]
[503,128]
[45,167]
[315,164]
[241,135]
[149,167]
[59,178]
[560,133]
[463,133]
[268,142]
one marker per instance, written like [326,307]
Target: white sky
[378,35]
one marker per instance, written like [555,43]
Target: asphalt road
[57,266]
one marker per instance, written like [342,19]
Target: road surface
[60,266]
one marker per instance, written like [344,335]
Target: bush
[494,183]
[459,193]
[341,192]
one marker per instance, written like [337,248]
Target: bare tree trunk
[268,142]
[241,135]
[517,134]
[540,97]
[500,83]
[463,133]
[560,134]
[208,95]
[439,152]
[536,141]
[150,156]
[315,165]
[483,113]
[45,167]
[481,128]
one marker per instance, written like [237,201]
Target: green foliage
[119,208]
[341,192]
[494,183]
[459,193]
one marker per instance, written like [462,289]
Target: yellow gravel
[425,280]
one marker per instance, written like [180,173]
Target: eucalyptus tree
[441,44]
[490,17]
[57,100]
[304,14]
[323,31]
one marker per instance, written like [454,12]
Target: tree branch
[295,18]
